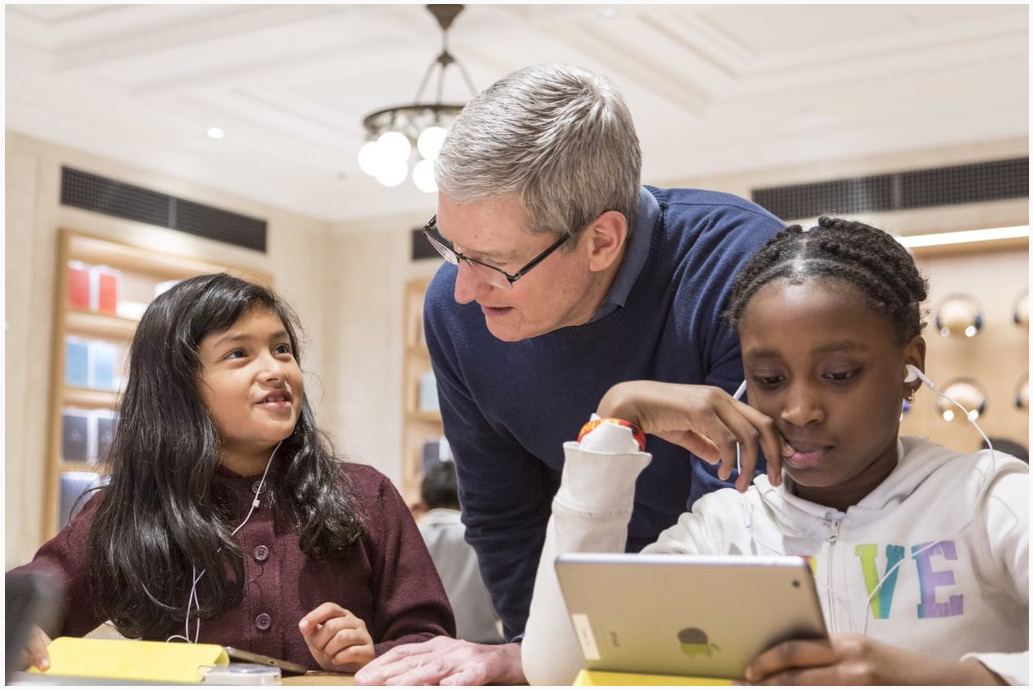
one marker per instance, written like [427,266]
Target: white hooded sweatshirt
[956,525]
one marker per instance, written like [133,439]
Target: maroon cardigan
[388,581]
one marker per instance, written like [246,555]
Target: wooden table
[320,678]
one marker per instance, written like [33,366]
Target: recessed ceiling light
[216,133]
[608,13]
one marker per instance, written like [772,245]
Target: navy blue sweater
[508,407]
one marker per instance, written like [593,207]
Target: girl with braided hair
[920,553]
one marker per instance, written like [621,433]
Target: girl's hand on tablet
[337,638]
[850,659]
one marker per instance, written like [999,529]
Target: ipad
[686,615]
[286,667]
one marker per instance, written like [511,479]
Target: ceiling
[713,88]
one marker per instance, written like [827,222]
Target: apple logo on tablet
[695,642]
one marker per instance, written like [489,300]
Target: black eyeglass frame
[445,249]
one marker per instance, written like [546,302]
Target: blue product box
[77,363]
[102,358]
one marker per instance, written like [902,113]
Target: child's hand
[858,660]
[337,638]
[704,420]
[36,649]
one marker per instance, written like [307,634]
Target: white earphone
[913,374]
[739,392]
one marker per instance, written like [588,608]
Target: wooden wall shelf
[139,269]
[420,423]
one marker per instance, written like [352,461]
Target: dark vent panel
[111,197]
[959,184]
[421,246]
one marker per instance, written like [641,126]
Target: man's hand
[338,639]
[36,649]
[858,660]
[704,420]
[444,661]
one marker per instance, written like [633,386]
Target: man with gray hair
[564,276]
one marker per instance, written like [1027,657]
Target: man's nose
[470,286]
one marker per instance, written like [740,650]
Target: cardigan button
[255,486]
[261,553]
[263,621]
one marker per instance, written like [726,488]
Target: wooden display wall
[996,358]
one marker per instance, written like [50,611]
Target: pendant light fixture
[392,134]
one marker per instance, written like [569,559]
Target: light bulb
[394,146]
[430,141]
[392,173]
[423,177]
[369,158]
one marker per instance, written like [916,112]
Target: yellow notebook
[171,662]
[586,677]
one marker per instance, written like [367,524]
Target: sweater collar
[635,255]
[917,461]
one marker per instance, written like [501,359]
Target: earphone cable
[987,480]
[192,599]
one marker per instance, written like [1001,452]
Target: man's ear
[607,236]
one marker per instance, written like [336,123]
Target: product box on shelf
[75,435]
[77,362]
[93,287]
[103,358]
[427,393]
[75,491]
[103,290]
[102,425]
[163,286]
[78,285]
[86,435]
[433,451]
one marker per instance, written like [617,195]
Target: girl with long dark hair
[227,518]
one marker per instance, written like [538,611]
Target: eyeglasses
[493,275]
